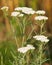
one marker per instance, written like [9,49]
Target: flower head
[25,10]
[25,49]
[40,12]
[15,13]
[28,10]
[5,8]
[41,18]
[41,38]
[30,46]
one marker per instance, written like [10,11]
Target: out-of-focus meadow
[7,44]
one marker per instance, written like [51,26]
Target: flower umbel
[30,46]
[5,8]
[15,13]
[25,49]
[40,12]
[41,38]
[25,10]
[41,18]
[28,11]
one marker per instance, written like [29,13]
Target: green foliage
[6,47]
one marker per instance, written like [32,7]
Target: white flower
[41,38]
[25,49]
[25,10]
[28,11]
[5,8]
[41,18]
[30,47]
[21,15]
[18,8]
[15,13]
[32,12]
[22,8]
[40,12]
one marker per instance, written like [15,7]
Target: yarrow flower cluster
[41,18]
[30,46]
[15,13]
[40,12]
[25,10]
[5,8]
[41,38]
[25,49]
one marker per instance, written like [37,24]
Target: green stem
[23,39]
[1,59]
[13,31]
[28,57]
[41,55]
[41,28]
[19,23]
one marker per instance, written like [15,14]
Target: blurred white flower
[21,15]
[15,13]
[25,10]
[41,38]
[41,18]
[18,8]
[32,12]
[25,49]
[28,11]
[30,46]
[22,8]
[40,12]
[5,8]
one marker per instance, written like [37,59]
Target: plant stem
[23,39]
[40,50]
[14,34]
[1,59]
[30,32]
